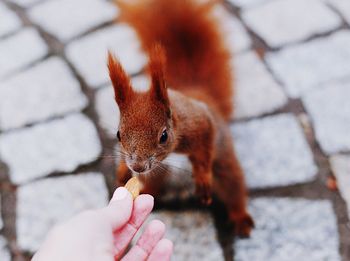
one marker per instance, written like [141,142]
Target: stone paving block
[192,233]
[288,21]
[273,151]
[60,145]
[343,7]
[4,252]
[329,109]
[89,54]
[1,222]
[46,90]
[20,50]
[26,3]
[107,109]
[66,19]
[247,3]
[9,20]
[233,31]
[256,92]
[305,66]
[44,203]
[290,229]
[340,165]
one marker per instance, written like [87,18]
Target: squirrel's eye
[118,136]
[164,137]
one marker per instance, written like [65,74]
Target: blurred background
[58,121]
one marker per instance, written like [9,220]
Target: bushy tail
[196,55]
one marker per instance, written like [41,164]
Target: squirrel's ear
[120,80]
[157,67]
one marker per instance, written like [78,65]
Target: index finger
[143,206]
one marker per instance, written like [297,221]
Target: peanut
[134,186]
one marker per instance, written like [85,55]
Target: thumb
[119,208]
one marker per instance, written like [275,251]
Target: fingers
[151,236]
[162,251]
[143,206]
[119,208]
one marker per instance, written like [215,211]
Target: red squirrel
[188,107]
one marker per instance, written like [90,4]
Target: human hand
[104,234]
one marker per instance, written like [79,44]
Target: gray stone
[248,3]
[89,54]
[340,165]
[107,109]
[290,229]
[1,222]
[273,151]
[66,19]
[26,3]
[329,109]
[237,38]
[9,21]
[46,90]
[14,55]
[4,252]
[343,7]
[307,65]
[192,233]
[59,145]
[44,203]
[277,25]
[256,92]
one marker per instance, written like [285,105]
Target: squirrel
[188,106]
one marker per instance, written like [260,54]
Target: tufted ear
[157,71]
[120,81]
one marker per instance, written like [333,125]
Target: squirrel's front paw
[203,191]
[243,223]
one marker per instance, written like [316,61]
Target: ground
[291,126]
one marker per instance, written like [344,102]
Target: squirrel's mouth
[140,169]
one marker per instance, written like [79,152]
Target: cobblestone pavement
[291,129]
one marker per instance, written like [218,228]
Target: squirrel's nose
[138,168]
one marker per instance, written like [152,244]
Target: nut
[134,186]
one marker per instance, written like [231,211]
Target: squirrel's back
[197,59]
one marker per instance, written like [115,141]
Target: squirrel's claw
[243,224]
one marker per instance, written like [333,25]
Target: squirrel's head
[146,131]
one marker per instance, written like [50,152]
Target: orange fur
[196,54]
[192,113]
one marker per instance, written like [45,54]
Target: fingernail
[119,194]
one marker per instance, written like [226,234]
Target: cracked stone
[46,90]
[340,165]
[57,146]
[273,152]
[66,19]
[289,21]
[89,54]
[237,38]
[9,21]
[256,92]
[302,67]
[343,7]
[290,229]
[192,233]
[13,54]
[329,109]
[61,198]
